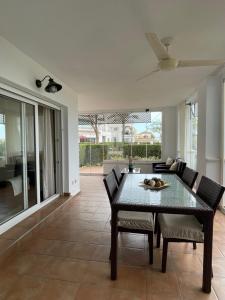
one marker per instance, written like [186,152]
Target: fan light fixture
[51,87]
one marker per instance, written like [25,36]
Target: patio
[91,170]
[66,257]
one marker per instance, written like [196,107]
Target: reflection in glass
[17,188]
[31,155]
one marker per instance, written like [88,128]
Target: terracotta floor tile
[40,246]
[101,253]
[4,244]
[7,282]
[58,290]
[25,288]
[219,287]
[19,264]
[131,240]
[163,296]
[157,261]
[14,233]
[65,269]
[119,294]
[67,257]
[190,287]
[187,263]
[133,256]
[219,266]
[131,279]
[93,292]
[81,251]
[163,283]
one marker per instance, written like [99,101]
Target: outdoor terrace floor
[66,257]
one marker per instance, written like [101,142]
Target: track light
[51,87]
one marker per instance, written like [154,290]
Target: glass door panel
[31,154]
[47,153]
[15,175]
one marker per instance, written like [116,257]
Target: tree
[94,124]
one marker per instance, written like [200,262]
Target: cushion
[184,227]
[169,161]
[173,167]
[135,220]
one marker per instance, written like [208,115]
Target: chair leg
[156,223]
[194,245]
[164,255]
[110,253]
[150,244]
[158,236]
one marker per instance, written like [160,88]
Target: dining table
[176,198]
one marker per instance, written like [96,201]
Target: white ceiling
[98,47]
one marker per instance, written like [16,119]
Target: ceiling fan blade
[200,63]
[147,75]
[158,48]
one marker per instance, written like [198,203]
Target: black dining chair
[117,173]
[188,228]
[189,177]
[131,221]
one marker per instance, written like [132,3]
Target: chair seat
[135,220]
[184,227]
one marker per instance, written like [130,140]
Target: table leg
[207,256]
[114,235]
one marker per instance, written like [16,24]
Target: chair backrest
[180,168]
[117,174]
[189,176]
[111,186]
[210,192]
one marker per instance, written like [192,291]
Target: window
[136,134]
[191,134]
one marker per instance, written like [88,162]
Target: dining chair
[117,173]
[189,177]
[188,228]
[131,221]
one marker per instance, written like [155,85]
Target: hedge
[99,152]
[96,153]
[140,151]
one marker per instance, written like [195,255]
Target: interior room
[112,149]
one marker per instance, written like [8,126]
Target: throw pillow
[169,161]
[174,166]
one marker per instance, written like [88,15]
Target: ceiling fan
[168,63]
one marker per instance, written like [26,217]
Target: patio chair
[131,221]
[188,228]
[118,175]
[189,177]
[181,165]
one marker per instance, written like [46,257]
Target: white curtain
[48,154]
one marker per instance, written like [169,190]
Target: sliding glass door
[17,157]
[30,155]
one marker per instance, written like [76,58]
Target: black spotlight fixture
[51,87]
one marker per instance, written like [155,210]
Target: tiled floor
[67,258]
[91,170]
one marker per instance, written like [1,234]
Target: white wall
[209,127]
[18,73]
[209,98]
